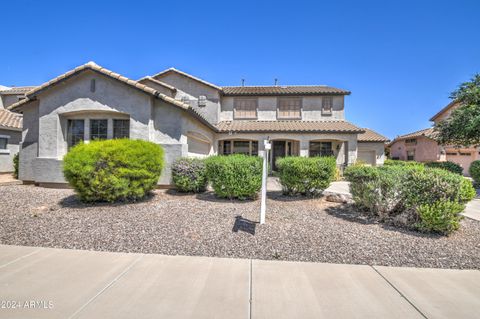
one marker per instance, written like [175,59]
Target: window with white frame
[327,105]
[245,109]
[75,132]
[289,108]
[98,129]
[3,142]
[121,128]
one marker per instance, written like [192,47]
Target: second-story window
[289,108]
[327,105]
[245,109]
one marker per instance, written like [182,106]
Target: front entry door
[278,150]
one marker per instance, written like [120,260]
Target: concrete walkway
[59,283]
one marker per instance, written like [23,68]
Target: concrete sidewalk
[59,283]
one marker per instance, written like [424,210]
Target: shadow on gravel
[243,224]
[279,196]
[211,197]
[349,213]
[73,201]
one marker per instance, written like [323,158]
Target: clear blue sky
[400,59]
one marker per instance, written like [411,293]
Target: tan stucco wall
[267,108]
[192,89]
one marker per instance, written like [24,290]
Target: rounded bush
[414,191]
[112,170]
[449,166]
[235,176]
[306,175]
[189,175]
[440,217]
[433,184]
[474,171]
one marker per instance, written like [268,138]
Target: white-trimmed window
[245,109]
[289,109]
[327,105]
[98,129]
[75,132]
[121,128]
[411,155]
[4,144]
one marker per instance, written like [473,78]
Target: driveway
[60,283]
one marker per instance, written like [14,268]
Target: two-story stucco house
[10,126]
[421,146]
[187,116]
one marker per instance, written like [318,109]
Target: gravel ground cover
[171,223]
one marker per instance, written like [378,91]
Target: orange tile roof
[10,120]
[20,90]
[288,126]
[371,136]
[283,90]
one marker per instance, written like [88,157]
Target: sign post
[263,205]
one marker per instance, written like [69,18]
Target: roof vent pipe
[243,82]
[276,82]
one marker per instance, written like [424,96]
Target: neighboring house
[10,126]
[421,146]
[188,117]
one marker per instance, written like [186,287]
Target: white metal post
[263,205]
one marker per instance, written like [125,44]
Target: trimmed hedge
[415,192]
[390,162]
[235,176]
[112,170]
[474,171]
[189,175]
[306,175]
[16,159]
[449,166]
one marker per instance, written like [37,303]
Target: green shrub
[406,190]
[379,190]
[235,176]
[449,166]
[15,165]
[390,162]
[112,170]
[474,171]
[306,175]
[442,216]
[363,183]
[433,184]
[189,175]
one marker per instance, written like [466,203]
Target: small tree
[462,128]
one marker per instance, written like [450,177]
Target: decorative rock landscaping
[170,223]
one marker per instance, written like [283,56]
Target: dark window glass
[3,143]
[75,132]
[226,147]
[320,149]
[98,129]
[121,128]
[254,148]
[241,147]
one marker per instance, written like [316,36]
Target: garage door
[367,157]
